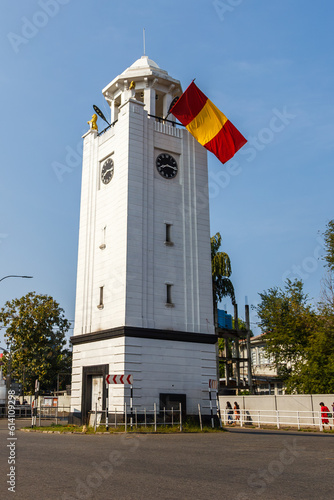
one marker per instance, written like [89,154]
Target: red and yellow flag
[207,124]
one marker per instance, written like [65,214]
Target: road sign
[119,379]
[17,387]
[213,384]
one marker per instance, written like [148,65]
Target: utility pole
[237,350]
[249,356]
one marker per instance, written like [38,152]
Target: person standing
[236,411]
[324,414]
[229,411]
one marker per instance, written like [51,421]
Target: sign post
[120,379]
[107,405]
[35,403]
[131,405]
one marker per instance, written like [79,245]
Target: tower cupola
[146,82]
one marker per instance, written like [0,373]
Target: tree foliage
[35,332]
[299,338]
[329,245]
[221,272]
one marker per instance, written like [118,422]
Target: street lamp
[15,276]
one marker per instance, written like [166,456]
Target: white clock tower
[144,292]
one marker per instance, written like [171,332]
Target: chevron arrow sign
[213,384]
[119,379]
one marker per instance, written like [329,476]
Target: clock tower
[144,291]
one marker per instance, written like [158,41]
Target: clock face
[107,171]
[166,165]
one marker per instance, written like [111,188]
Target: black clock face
[107,171]
[166,165]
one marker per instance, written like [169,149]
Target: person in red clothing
[324,413]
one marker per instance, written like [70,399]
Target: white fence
[278,418]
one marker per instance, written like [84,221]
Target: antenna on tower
[144,40]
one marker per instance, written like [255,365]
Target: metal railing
[277,418]
[56,414]
[136,418]
[21,411]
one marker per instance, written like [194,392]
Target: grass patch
[189,426]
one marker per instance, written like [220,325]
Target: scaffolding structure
[231,359]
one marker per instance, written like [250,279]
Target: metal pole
[125,416]
[219,413]
[131,405]
[180,409]
[227,366]
[211,410]
[32,418]
[95,422]
[155,417]
[200,416]
[39,416]
[249,353]
[237,363]
[15,276]
[107,406]
[23,382]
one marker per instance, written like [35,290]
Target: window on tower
[169,301]
[101,305]
[168,237]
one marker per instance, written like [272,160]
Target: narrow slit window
[100,306]
[168,235]
[169,294]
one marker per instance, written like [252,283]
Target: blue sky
[267,65]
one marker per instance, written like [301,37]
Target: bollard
[180,409]
[200,416]
[155,417]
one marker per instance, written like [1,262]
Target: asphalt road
[235,465]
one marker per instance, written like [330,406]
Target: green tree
[329,245]
[221,272]
[35,331]
[290,325]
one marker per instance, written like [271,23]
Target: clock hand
[169,166]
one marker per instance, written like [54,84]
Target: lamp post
[15,276]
